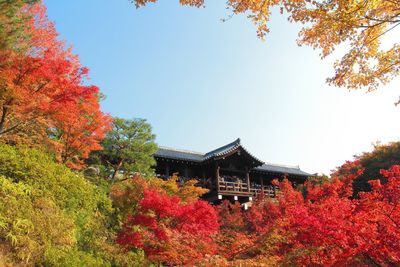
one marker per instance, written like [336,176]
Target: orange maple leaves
[326,25]
[42,87]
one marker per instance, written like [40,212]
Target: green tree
[382,157]
[12,22]
[128,148]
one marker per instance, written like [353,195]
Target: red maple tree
[170,231]
[324,226]
[43,83]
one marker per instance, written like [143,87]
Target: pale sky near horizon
[202,83]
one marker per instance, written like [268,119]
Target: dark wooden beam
[217,175]
[167,170]
[248,180]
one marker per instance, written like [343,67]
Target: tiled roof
[295,170]
[172,153]
[223,149]
[178,154]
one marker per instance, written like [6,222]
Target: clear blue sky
[202,83]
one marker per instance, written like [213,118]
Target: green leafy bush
[50,215]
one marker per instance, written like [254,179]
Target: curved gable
[233,148]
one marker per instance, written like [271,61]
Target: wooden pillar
[167,170]
[203,177]
[186,172]
[217,175]
[262,185]
[248,180]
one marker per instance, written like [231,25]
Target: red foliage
[381,209]
[234,235]
[44,82]
[169,231]
[326,227]
[82,127]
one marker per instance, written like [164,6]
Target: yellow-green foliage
[50,215]
[188,191]
[30,226]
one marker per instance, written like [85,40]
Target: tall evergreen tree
[129,147]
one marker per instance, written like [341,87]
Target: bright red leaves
[170,231]
[324,226]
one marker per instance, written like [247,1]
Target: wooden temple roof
[275,168]
[197,157]
[178,154]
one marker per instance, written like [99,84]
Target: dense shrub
[53,216]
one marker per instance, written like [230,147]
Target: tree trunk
[116,169]
[4,114]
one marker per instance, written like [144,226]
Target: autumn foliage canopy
[322,225]
[43,95]
[366,29]
[51,215]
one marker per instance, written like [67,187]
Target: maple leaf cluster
[43,96]
[370,58]
[166,228]
[322,226]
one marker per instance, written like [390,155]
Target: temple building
[230,172]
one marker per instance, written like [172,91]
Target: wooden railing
[233,186]
[239,187]
[268,191]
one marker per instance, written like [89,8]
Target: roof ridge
[234,143]
[283,165]
[181,150]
